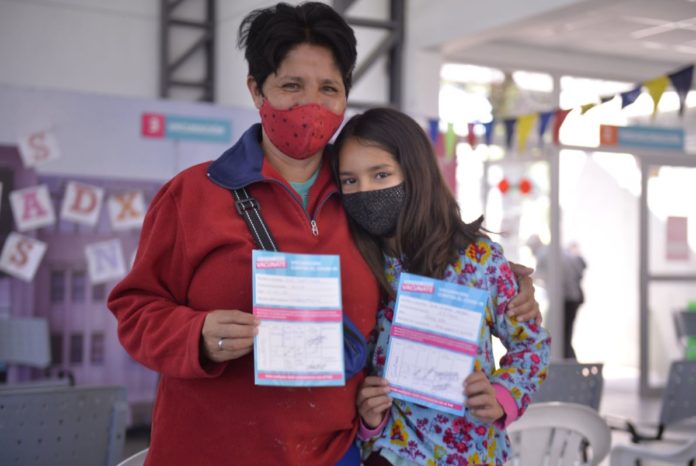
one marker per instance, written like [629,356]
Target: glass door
[667,262]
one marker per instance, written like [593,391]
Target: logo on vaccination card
[271,263]
[414,287]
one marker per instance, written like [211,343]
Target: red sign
[152,125]
[677,246]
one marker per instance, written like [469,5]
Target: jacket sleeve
[155,325]
[524,366]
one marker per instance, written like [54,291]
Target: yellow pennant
[656,87]
[585,108]
[525,124]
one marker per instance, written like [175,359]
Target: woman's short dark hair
[430,233]
[268,34]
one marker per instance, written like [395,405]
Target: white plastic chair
[136,460]
[630,454]
[559,434]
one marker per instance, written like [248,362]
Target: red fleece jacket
[194,256]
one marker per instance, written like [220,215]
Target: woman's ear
[255,91]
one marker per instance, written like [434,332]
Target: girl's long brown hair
[430,231]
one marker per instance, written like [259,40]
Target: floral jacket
[424,436]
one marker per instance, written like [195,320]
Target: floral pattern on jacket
[424,436]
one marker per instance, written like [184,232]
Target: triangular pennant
[628,97]
[488,128]
[544,119]
[509,131]
[471,135]
[656,87]
[433,129]
[681,80]
[606,99]
[524,127]
[586,107]
[450,142]
[558,119]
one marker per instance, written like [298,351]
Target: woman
[184,310]
[404,218]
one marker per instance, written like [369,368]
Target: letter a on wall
[127,210]
[105,261]
[32,208]
[38,147]
[21,256]
[82,203]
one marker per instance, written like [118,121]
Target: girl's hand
[373,400]
[523,306]
[481,399]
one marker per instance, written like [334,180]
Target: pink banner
[436,401]
[267,376]
[302,315]
[434,340]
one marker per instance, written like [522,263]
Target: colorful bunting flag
[544,119]
[558,119]
[656,87]
[433,129]
[488,128]
[450,142]
[628,97]
[471,135]
[524,127]
[509,131]
[681,80]
[586,107]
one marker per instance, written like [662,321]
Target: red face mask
[299,132]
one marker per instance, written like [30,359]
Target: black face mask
[376,211]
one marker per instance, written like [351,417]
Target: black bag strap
[250,210]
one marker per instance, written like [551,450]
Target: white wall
[111,47]
[97,46]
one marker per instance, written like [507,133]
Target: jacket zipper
[314,226]
[312,219]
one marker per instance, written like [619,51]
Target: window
[57,349]
[78,286]
[76,351]
[99,292]
[57,286]
[96,355]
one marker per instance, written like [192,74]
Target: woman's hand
[480,398]
[523,306]
[373,400]
[228,334]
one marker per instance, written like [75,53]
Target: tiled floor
[620,398]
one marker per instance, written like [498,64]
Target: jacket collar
[241,164]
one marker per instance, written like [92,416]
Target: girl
[404,218]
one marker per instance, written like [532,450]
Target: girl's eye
[291,86]
[330,89]
[382,175]
[347,181]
